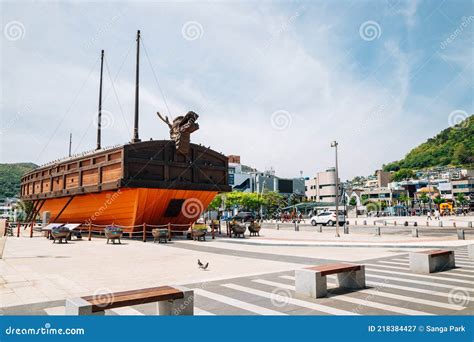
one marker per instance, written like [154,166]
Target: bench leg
[80,307]
[310,283]
[178,307]
[353,279]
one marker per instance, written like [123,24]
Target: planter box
[160,234]
[113,234]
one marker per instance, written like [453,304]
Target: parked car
[327,218]
[244,216]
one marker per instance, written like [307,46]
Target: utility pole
[336,171]
[70,143]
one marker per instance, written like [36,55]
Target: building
[383,178]
[247,179]
[322,188]
[383,194]
[466,187]
[446,190]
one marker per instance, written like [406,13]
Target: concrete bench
[312,282]
[431,261]
[172,301]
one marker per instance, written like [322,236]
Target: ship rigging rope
[51,136]
[107,94]
[156,78]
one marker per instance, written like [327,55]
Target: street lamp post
[334,144]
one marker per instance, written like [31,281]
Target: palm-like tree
[461,199]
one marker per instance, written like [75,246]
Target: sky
[272,81]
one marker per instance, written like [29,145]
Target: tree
[404,198]
[461,154]
[216,203]
[402,174]
[353,201]
[438,200]
[424,198]
[461,200]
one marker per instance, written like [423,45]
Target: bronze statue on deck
[181,129]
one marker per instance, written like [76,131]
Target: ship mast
[99,119]
[135,126]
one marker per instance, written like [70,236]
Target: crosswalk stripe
[201,312]
[462,269]
[458,263]
[452,272]
[374,268]
[127,311]
[431,284]
[238,303]
[376,292]
[395,286]
[294,301]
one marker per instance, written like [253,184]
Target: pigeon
[202,266]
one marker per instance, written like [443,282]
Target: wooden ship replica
[153,182]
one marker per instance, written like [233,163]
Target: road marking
[359,301]
[431,284]
[461,269]
[127,311]
[453,271]
[458,263]
[294,301]
[373,268]
[238,303]
[201,312]
[376,292]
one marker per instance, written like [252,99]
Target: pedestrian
[437,214]
[429,215]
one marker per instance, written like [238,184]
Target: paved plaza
[251,276]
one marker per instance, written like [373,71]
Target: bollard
[405,223]
[355,223]
[213,233]
[346,229]
[440,223]
[278,226]
[144,232]
[377,231]
[320,228]
[18,230]
[415,224]
[169,231]
[375,223]
[427,224]
[394,223]
[31,229]
[297,227]
[364,223]
[454,224]
[414,232]
[90,231]
[469,224]
[384,223]
[461,234]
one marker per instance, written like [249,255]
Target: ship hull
[129,207]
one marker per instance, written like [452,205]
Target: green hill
[454,146]
[10,175]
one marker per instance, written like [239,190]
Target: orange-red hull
[129,207]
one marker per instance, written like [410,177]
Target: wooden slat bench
[431,261]
[312,281]
[173,301]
